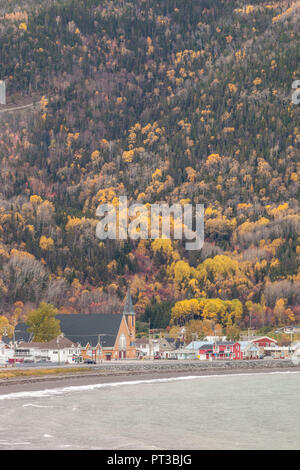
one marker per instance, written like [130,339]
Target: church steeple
[129,315]
[128,307]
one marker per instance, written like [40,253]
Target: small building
[166,348]
[58,350]
[249,350]
[6,353]
[289,330]
[263,342]
[185,354]
[278,352]
[222,350]
[146,349]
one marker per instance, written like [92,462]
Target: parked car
[157,356]
[89,361]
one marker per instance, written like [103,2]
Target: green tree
[43,324]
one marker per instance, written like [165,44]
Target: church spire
[128,307]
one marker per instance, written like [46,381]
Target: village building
[103,336]
[279,352]
[263,342]
[186,353]
[146,349]
[166,348]
[6,353]
[222,350]
[289,330]
[58,350]
[249,350]
[159,348]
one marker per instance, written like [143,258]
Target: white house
[296,353]
[6,353]
[58,350]
[186,353]
[144,349]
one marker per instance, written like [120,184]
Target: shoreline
[113,375]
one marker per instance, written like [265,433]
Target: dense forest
[170,101]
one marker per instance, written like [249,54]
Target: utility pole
[215,341]
[99,343]
[150,344]
[193,341]
[250,326]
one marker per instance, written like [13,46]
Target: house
[278,352]
[222,350]
[6,353]
[146,349]
[58,350]
[263,342]
[103,336]
[166,348]
[249,350]
[289,330]
[185,353]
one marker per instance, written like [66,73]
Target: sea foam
[80,388]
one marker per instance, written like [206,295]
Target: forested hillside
[158,100]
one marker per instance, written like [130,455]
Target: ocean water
[248,411]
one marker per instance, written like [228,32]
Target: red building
[222,350]
[264,342]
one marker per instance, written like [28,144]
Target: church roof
[128,307]
[21,334]
[85,329]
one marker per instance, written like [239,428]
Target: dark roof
[206,347]
[226,343]
[21,334]
[84,329]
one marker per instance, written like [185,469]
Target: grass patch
[11,374]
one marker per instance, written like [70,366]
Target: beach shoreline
[102,376]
